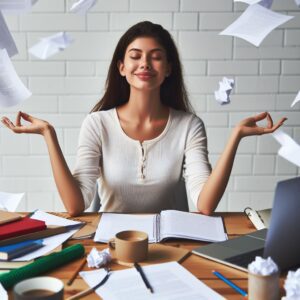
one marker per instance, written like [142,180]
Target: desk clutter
[158,274]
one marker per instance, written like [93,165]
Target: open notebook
[167,224]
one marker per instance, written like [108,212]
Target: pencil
[230,283]
[140,270]
[83,262]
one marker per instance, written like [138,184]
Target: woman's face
[145,64]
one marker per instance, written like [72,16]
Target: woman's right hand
[35,125]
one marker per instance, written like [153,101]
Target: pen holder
[263,287]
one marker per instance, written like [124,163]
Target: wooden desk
[236,224]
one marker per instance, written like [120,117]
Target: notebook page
[180,224]
[110,224]
[169,281]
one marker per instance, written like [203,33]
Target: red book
[20,227]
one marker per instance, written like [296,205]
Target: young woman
[141,141]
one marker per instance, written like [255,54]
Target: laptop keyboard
[243,260]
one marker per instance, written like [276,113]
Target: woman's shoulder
[181,116]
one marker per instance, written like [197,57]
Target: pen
[140,270]
[230,283]
[81,265]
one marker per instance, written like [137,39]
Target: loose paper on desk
[50,242]
[51,45]
[82,6]
[297,99]
[168,280]
[12,89]
[265,3]
[16,6]
[255,24]
[3,293]
[289,150]
[225,87]
[10,201]
[7,42]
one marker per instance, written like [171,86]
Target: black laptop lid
[283,238]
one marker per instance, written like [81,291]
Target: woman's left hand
[249,127]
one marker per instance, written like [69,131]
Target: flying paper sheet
[12,89]
[265,3]
[51,45]
[9,201]
[255,24]
[297,99]
[7,41]
[16,6]
[225,87]
[82,6]
[289,150]
[297,2]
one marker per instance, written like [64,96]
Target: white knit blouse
[142,177]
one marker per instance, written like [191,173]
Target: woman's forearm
[67,186]
[216,184]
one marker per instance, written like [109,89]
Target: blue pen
[230,283]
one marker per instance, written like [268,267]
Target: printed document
[255,24]
[289,150]
[169,281]
[297,99]
[10,201]
[51,45]
[7,42]
[167,224]
[82,6]
[12,89]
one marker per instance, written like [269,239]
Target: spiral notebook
[259,218]
[167,224]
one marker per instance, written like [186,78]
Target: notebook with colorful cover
[20,227]
[19,249]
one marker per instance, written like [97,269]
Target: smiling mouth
[144,76]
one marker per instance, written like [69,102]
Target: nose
[145,64]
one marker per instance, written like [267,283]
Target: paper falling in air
[12,89]
[10,201]
[51,242]
[263,266]
[7,42]
[255,24]
[82,6]
[297,2]
[292,285]
[51,45]
[297,99]
[289,150]
[265,3]
[225,87]
[3,293]
[16,6]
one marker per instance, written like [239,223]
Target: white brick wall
[66,87]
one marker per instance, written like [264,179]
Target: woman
[141,142]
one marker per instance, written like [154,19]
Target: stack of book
[14,230]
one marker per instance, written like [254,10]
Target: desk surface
[236,224]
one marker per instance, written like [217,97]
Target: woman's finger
[27,117]
[260,116]
[18,119]
[276,126]
[269,121]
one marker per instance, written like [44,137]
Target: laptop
[281,241]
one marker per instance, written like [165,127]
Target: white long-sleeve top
[143,177]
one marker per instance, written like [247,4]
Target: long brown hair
[172,90]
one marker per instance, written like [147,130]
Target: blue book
[19,249]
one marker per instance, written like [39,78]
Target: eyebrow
[152,50]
